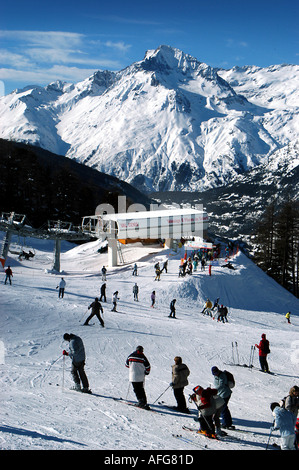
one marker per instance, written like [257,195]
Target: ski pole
[250,356]
[63,365]
[253,349]
[128,391]
[203,416]
[83,315]
[271,429]
[233,356]
[237,352]
[162,394]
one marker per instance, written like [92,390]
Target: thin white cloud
[16,60]
[120,46]
[43,56]
[47,75]
[43,38]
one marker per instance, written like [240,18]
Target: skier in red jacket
[264,350]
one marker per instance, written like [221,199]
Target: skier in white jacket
[139,367]
[61,287]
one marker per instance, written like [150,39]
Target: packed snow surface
[38,412]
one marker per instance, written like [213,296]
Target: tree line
[277,243]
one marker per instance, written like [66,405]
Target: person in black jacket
[103,292]
[96,308]
[172,308]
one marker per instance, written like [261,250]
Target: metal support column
[57,251]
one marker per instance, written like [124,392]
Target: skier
[180,373]
[181,271]
[134,272]
[172,309]
[96,308]
[153,298]
[114,300]
[61,287]
[216,304]
[222,314]
[139,367]
[223,391]
[103,292]
[77,354]
[189,268]
[285,421]
[135,291]
[209,406]
[288,317]
[291,402]
[207,307]
[9,275]
[104,272]
[158,273]
[264,350]
[165,266]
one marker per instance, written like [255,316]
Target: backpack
[230,379]
[266,348]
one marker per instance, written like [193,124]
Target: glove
[171,384]
[65,353]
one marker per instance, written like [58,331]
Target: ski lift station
[144,226]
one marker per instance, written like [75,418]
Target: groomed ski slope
[38,413]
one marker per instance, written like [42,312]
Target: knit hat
[274,405]
[198,389]
[215,370]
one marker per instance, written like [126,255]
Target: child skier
[285,421]
[114,301]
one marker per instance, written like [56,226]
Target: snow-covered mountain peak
[167,122]
[171,58]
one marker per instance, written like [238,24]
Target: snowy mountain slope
[275,88]
[38,414]
[234,209]
[167,122]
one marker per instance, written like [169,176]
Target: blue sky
[68,40]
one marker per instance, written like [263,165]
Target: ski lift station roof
[164,223]
[162,213]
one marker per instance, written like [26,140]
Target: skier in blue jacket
[223,391]
[285,421]
[77,355]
